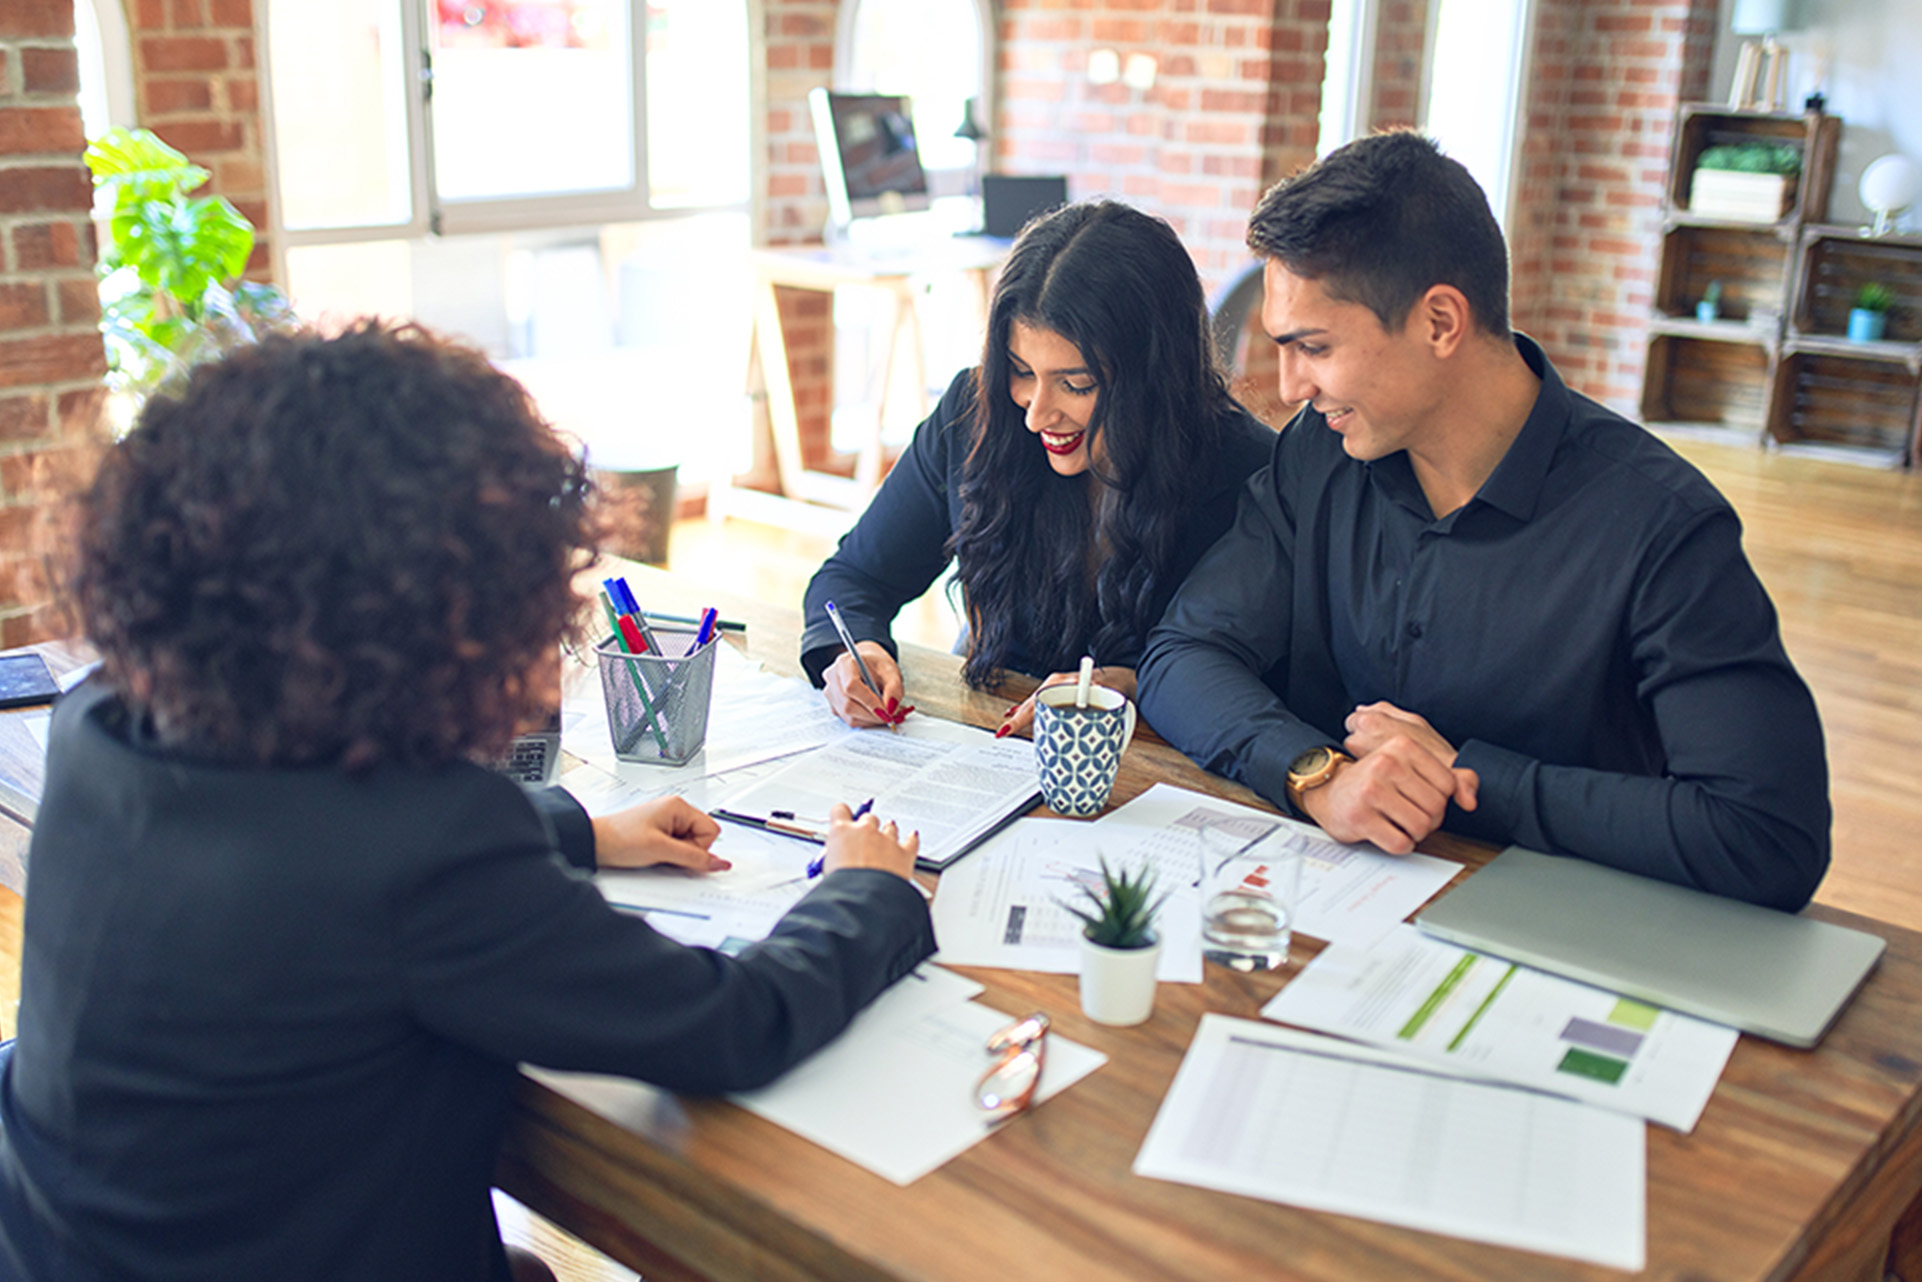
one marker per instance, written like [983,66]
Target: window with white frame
[1477,63]
[935,51]
[451,116]
[1347,82]
[564,183]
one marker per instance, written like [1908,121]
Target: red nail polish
[1010,711]
[902,715]
[890,706]
[1002,733]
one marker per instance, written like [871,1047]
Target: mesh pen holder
[657,703]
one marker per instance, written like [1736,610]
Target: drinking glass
[1248,893]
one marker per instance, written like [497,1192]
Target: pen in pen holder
[657,703]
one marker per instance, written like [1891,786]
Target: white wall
[1865,56]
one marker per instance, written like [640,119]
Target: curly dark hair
[1382,220]
[335,551]
[1044,570]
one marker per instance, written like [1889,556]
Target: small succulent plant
[1123,911]
[1875,297]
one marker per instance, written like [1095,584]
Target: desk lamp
[971,131]
[1889,186]
[1763,66]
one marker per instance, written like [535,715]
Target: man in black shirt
[1464,595]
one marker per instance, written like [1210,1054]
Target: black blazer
[270,1018]
[900,545]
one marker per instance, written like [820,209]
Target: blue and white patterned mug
[1078,750]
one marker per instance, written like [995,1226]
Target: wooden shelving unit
[1722,375]
[1831,391]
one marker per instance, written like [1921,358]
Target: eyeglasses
[1008,1086]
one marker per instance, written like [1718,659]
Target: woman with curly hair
[287,940]
[1073,479]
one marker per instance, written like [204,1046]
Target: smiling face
[1056,387]
[1378,387]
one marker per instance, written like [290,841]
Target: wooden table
[1798,1169]
[23,766]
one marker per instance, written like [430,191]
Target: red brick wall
[799,39]
[197,86]
[1235,105]
[1609,76]
[194,68]
[1401,38]
[50,354]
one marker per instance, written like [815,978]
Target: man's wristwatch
[1312,769]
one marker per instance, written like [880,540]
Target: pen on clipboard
[784,827]
[847,639]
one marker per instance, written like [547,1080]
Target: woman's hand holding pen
[1020,718]
[666,830]
[850,697]
[868,843]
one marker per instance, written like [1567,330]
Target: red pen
[631,634]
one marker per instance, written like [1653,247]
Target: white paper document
[1486,1016]
[601,791]
[954,784]
[1002,905]
[1332,1126]
[725,910]
[895,1092]
[1349,894]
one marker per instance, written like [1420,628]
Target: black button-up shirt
[1586,631]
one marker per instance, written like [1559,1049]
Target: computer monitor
[868,154]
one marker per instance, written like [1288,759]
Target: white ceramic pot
[1118,984]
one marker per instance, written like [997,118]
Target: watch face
[1310,761]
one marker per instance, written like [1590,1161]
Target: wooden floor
[1839,546]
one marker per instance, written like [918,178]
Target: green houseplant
[170,287]
[1747,181]
[1120,948]
[1710,307]
[1752,158]
[1869,318]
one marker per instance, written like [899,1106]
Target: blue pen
[816,864]
[624,603]
[622,595]
[706,631]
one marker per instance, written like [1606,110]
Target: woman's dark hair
[1043,563]
[1381,221]
[335,551]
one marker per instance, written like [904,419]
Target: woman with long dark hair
[1073,478]
[288,937]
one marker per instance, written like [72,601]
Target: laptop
[1008,201]
[1774,974]
[534,758]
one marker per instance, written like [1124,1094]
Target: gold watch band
[1311,770]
